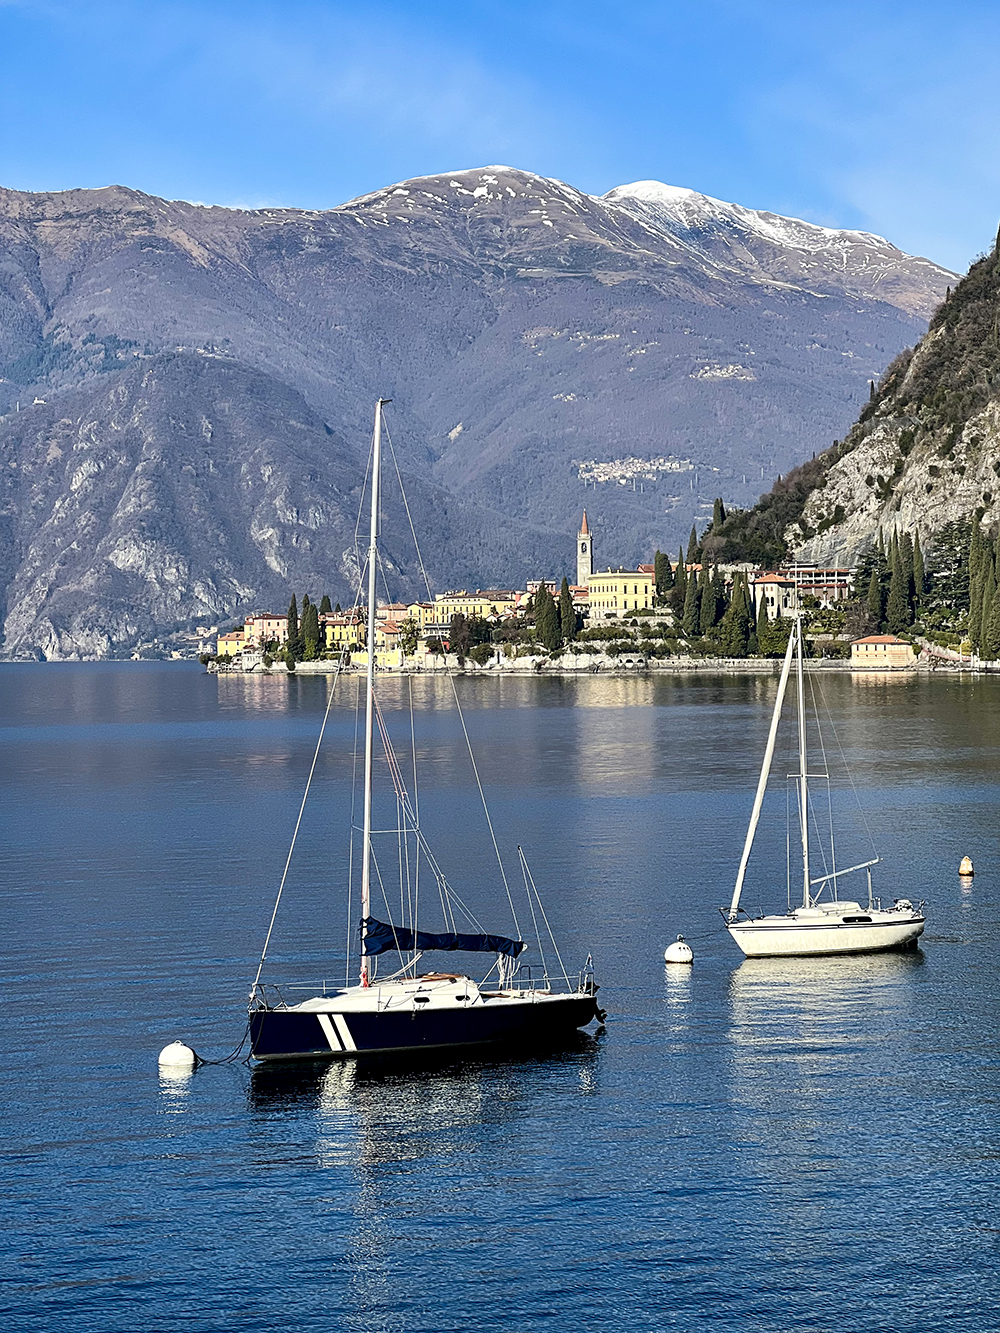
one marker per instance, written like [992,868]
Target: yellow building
[618,592]
[488,604]
[422,614]
[228,645]
[880,651]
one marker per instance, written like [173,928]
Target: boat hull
[777,937]
[282,1034]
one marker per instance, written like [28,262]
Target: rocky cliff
[924,453]
[186,392]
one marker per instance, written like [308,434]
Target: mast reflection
[808,1032]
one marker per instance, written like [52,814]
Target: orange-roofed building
[880,651]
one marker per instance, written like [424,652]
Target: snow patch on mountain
[693,211]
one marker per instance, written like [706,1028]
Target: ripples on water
[758,1145]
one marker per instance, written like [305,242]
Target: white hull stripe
[798,927]
[332,1039]
[344,1031]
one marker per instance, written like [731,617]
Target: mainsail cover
[377,937]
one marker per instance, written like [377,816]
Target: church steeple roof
[583,525]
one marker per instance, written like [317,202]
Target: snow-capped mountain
[188,376]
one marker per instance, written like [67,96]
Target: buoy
[678,952]
[966,868]
[178,1056]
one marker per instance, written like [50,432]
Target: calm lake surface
[763,1146]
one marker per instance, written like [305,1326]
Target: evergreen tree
[987,596]
[718,514]
[734,630]
[459,636]
[897,611]
[310,631]
[875,608]
[293,626]
[991,628]
[324,606]
[919,573]
[663,574]
[977,548]
[976,611]
[692,551]
[336,610]
[772,635]
[712,599]
[546,618]
[906,568]
[691,618]
[678,592]
[706,608]
[567,613]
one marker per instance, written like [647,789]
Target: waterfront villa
[774,595]
[881,651]
[619,592]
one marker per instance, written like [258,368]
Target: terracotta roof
[583,525]
[881,638]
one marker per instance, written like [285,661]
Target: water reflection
[808,1033]
[175,1089]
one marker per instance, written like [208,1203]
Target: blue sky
[857,114]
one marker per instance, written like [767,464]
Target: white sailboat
[408,1010]
[823,924]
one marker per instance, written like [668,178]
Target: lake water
[765,1146]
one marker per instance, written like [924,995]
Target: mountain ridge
[538,342]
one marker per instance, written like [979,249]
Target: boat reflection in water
[374,1088]
[814,1041]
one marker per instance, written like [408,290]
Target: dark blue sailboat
[409,1010]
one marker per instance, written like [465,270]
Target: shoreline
[683,666]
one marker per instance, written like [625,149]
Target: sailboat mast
[366,856]
[765,771]
[803,781]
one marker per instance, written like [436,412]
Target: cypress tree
[324,606]
[692,551]
[293,625]
[567,613]
[336,610]
[546,618]
[663,574]
[897,611]
[976,611]
[718,514]
[718,595]
[991,628]
[987,596]
[692,611]
[310,631]
[906,567]
[678,592]
[734,631]
[919,573]
[706,612]
[977,548]
[875,598]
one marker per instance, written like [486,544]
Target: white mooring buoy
[178,1056]
[678,952]
[966,867]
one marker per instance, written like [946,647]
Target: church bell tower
[584,553]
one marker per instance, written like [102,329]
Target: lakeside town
[669,614]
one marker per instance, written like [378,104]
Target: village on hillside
[682,609]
